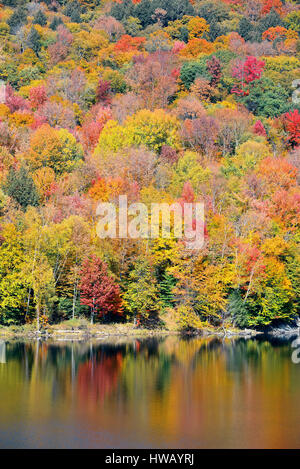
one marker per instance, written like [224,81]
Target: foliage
[98,289]
[172,101]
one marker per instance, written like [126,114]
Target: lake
[149,393]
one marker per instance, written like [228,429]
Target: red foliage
[37,96]
[168,154]
[188,194]
[268,5]
[103,93]
[98,378]
[259,129]
[273,33]
[246,72]
[98,289]
[14,101]
[91,129]
[292,125]
[214,69]
[60,49]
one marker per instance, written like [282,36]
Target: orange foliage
[128,43]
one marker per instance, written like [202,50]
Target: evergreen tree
[40,18]
[213,11]
[20,186]
[17,19]
[271,20]
[215,30]
[238,309]
[34,41]
[166,286]
[55,23]
[73,10]
[246,29]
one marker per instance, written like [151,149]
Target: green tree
[34,41]
[40,18]
[20,186]
[17,19]
[246,29]
[166,286]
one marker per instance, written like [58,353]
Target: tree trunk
[38,317]
[74,300]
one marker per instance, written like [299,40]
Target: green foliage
[73,10]
[40,18]
[144,10]
[20,186]
[192,70]
[266,98]
[34,41]
[166,286]
[17,19]
[237,308]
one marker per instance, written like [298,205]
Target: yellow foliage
[145,128]
[21,118]
[4,111]
[197,27]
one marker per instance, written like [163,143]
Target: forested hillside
[165,101]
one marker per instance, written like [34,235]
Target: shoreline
[58,333]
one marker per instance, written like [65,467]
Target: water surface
[153,393]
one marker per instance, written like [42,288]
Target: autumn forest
[164,101]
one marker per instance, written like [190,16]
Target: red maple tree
[98,290]
[246,72]
[292,125]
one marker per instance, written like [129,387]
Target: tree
[166,286]
[153,80]
[55,23]
[197,27]
[245,29]
[54,148]
[20,186]
[214,69]
[141,295]
[265,98]
[73,10]
[103,92]
[98,289]
[271,20]
[17,19]
[13,288]
[292,123]
[275,5]
[40,18]
[34,41]
[145,128]
[247,72]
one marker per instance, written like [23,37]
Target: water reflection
[166,392]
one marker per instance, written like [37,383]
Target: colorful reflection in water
[160,393]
